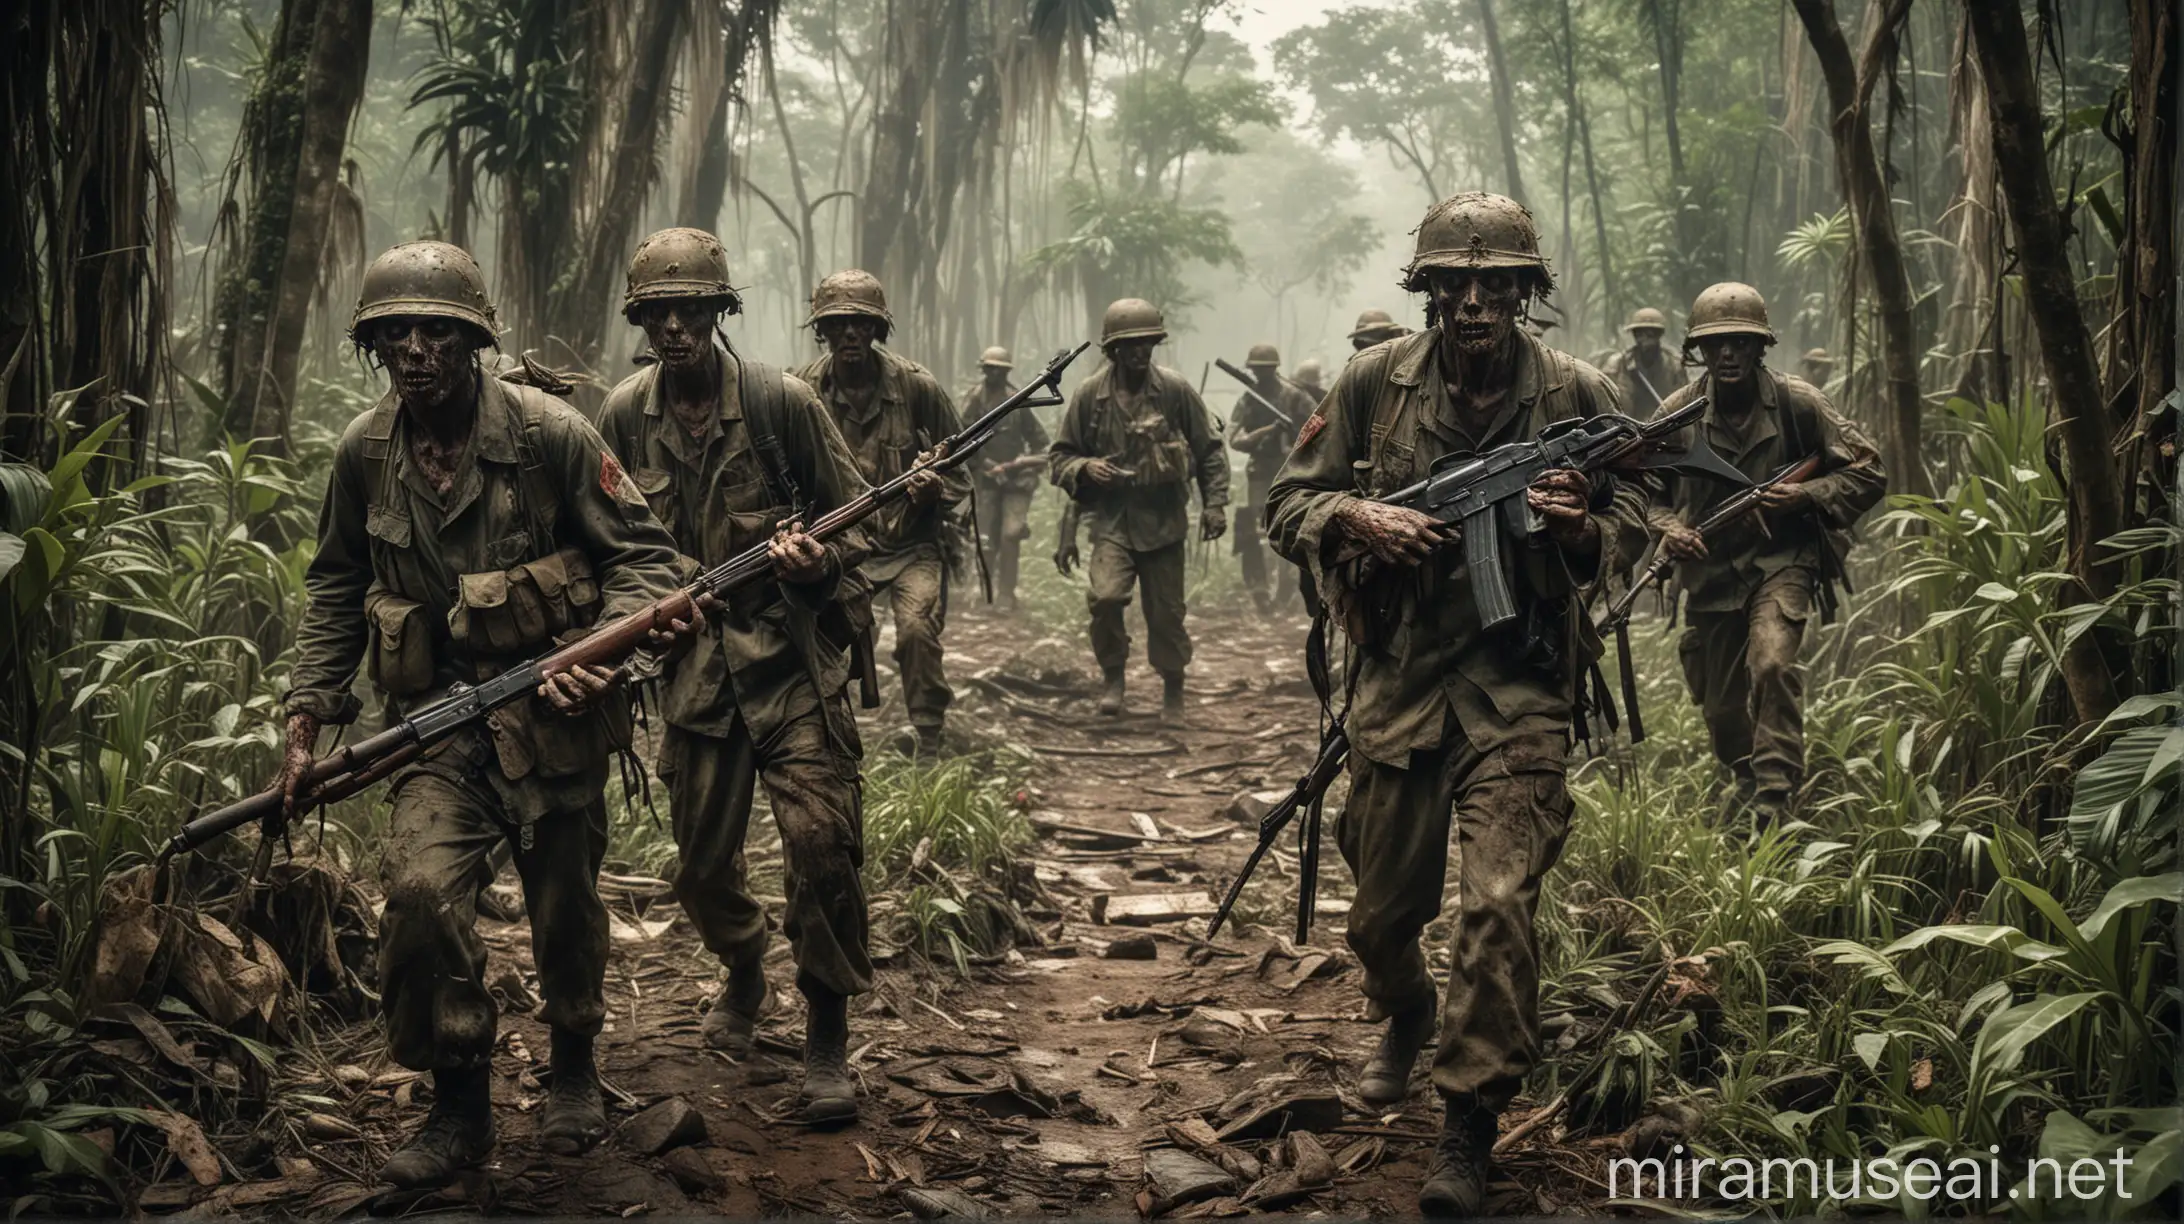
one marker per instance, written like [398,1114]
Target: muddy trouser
[431,962]
[1511,812]
[816,806]
[1112,573]
[1251,548]
[1744,676]
[919,596]
[1005,520]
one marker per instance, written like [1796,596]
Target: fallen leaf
[188,1143]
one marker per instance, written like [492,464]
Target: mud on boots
[457,1134]
[830,1092]
[732,1023]
[1455,1186]
[575,1116]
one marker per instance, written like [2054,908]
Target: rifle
[1481,492]
[1251,389]
[1725,512]
[353,767]
[1485,492]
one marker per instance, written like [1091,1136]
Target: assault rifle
[354,767]
[1483,492]
[1725,512]
[1251,388]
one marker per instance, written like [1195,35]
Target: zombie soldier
[468,525]
[1264,439]
[1309,378]
[1643,372]
[890,411]
[1373,327]
[1817,367]
[729,452]
[1448,718]
[1008,472]
[1134,438]
[1750,591]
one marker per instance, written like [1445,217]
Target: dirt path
[1041,1085]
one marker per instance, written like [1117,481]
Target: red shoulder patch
[615,483]
[1312,426]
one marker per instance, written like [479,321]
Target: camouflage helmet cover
[996,358]
[1132,319]
[1728,309]
[1646,318]
[1476,229]
[678,263]
[853,291]
[1263,355]
[433,279]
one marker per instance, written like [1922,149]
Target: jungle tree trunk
[2066,346]
[1505,107]
[2146,270]
[889,187]
[1592,177]
[577,303]
[1859,169]
[296,126]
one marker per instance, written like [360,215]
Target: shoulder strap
[536,493]
[765,401]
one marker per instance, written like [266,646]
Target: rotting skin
[1733,368]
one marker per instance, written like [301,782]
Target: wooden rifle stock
[1732,508]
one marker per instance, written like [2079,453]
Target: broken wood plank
[1146,909]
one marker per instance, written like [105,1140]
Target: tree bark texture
[299,121]
[2146,274]
[1505,107]
[1858,167]
[2066,346]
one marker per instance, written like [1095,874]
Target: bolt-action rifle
[1484,493]
[1725,512]
[354,767]
[1251,388]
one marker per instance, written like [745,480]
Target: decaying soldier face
[997,377]
[1476,309]
[1733,360]
[1646,341]
[681,331]
[850,337]
[1132,356]
[429,359]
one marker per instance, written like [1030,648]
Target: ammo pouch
[1159,457]
[522,609]
[400,663]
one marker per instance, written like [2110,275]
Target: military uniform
[909,562]
[1748,602]
[1138,525]
[1447,719]
[762,694]
[1004,502]
[1263,460]
[543,535]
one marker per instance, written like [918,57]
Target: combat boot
[733,1022]
[1111,695]
[928,741]
[1171,699]
[830,1095]
[1386,1080]
[1455,1186]
[457,1134]
[575,1116]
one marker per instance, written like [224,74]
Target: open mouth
[1473,332]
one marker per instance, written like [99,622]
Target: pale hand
[679,628]
[1681,543]
[1397,535]
[1786,498]
[1101,472]
[573,691]
[796,556]
[924,486]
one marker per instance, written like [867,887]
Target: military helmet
[1728,309]
[1310,372]
[851,292]
[1819,356]
[1646,318]
[678,263]
[996,358]
[1263,355]
[435,279]
[1132,319]
[1476,229]
[1375,325]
